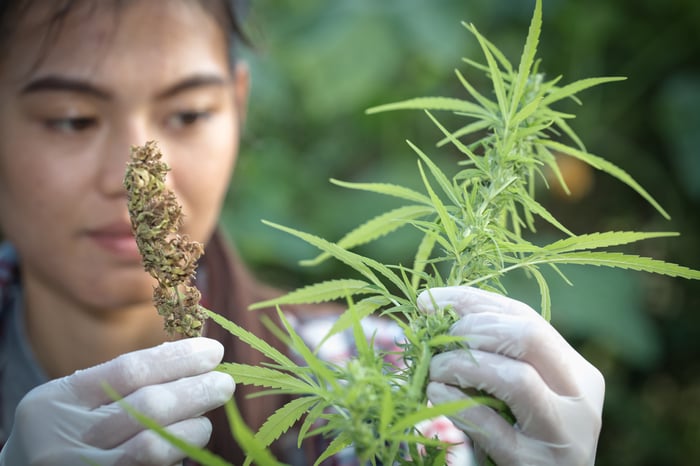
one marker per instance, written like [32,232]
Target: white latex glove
[518,357]
[68,420]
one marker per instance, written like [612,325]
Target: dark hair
[228,13]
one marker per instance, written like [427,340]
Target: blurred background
[318,64]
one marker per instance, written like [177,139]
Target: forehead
[113,39]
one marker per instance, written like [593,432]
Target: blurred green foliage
[316,66]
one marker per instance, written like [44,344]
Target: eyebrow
[60,83]
[66,84]
[193,82]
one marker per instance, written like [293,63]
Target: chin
[118,294]
[112,302]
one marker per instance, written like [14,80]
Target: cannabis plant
[472,224]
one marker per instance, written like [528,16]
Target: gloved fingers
[149,449]
[469,300]
[131,371]
[499,324]
[483,425]
[166,403]
[516,383]
[529,339]
[491,434]
[480,455]
[146,448]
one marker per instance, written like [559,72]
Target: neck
[96,335]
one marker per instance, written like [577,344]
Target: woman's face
[71,107]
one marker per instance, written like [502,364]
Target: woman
[82,81]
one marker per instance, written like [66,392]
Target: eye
[187,118]
[70,125]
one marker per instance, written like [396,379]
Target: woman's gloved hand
[70,420]
[519,358]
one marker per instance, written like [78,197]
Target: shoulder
[8,265]
[8,277]
[8,281]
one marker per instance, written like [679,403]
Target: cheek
[31,201]
[35,179]
[204,203]
[202,187]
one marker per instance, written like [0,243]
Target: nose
[115,152]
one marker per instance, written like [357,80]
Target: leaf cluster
[368,403]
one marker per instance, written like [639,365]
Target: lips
[115,238]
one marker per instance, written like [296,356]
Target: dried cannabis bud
[169,257]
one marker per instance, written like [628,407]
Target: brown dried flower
[169,257]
